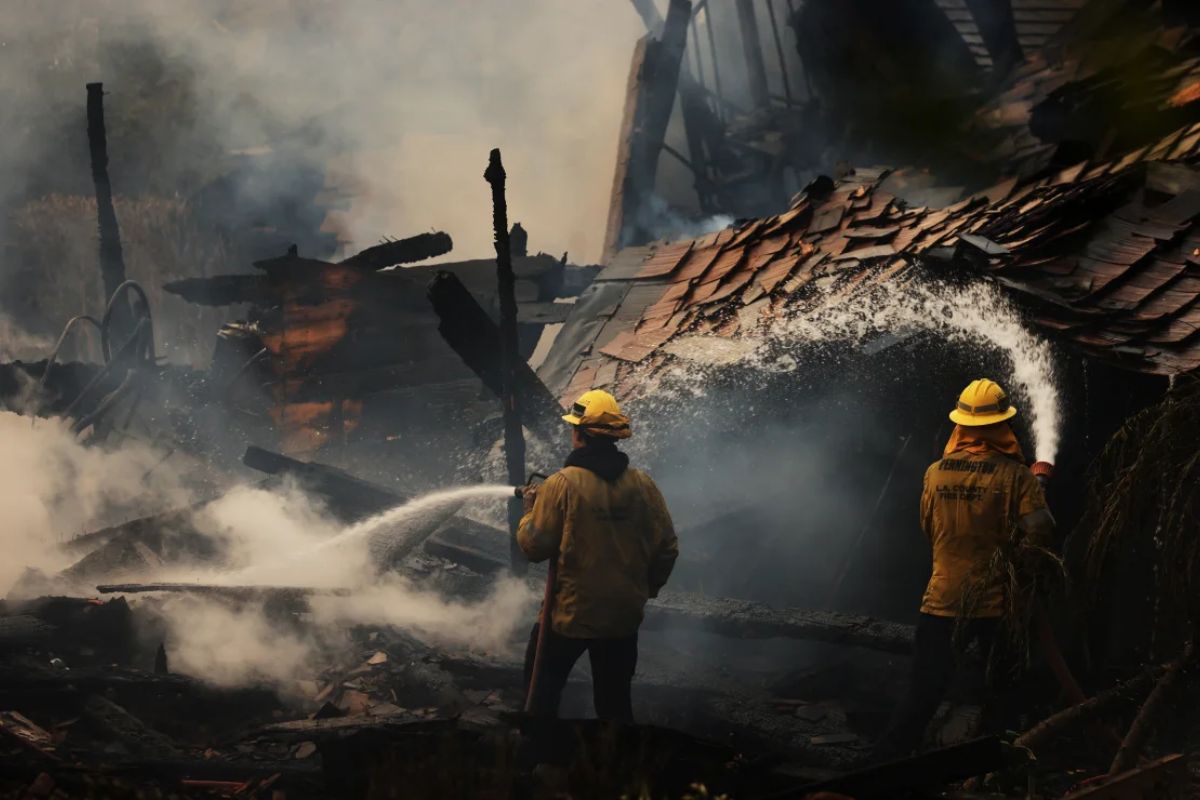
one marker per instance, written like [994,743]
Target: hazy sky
[401,100]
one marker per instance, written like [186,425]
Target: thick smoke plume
[54,488]
[279,538]
[398,102]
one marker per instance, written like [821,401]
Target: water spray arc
[974,314]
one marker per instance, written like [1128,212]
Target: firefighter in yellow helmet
[973,501]
[610,532]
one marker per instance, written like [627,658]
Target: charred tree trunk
[112,260]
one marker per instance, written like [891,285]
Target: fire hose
[539,651]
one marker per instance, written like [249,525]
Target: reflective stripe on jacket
[616,547]
[971,504]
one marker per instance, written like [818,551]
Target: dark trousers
[934,664]
[613,664]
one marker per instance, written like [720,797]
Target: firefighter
[973,501]
[609,529]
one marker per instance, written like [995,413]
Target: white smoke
[52,488]
[280,538]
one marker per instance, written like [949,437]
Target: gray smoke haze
[400,103]
[53,488]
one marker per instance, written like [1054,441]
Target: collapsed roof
[1090,223]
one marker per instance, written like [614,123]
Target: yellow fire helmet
[598,414]
[983,402]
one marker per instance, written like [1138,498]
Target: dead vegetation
[55,240]
[1145,499]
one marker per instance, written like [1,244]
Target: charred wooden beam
[650,97]
[402,251]
[743,619]
[701,127]
[295,594]
[472,334]
[650,16]
[349,497]
[998,29]
[756,66]
[112,260]
[1053,726]
[221,290]
[511,398]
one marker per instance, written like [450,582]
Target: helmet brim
[960,417]
[572,419]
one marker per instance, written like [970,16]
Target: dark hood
[602,458]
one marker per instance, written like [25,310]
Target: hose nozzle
[1043,471]
[532,481]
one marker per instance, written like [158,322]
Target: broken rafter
[472,333]
[402,251]
[650,96]
[743,619]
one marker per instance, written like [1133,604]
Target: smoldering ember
[826,370]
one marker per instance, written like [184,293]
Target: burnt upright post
[514,437]
[112,260]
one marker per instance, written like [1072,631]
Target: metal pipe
[62,337]
[106,320]
[105,404]
[128,347]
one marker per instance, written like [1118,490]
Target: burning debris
[302,567]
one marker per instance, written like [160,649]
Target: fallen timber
[743,619]
[475,337]
[737,619]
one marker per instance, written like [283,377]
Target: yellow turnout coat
[615,544]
